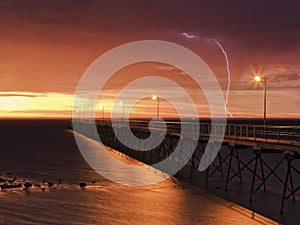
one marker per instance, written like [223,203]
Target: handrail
[262,133]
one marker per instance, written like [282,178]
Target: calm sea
[44,153]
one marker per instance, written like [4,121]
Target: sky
[46,46]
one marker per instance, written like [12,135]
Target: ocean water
[44,153]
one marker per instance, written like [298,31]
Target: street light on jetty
[156,98]
[258,79]
[101,107]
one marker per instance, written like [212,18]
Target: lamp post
[101,107]
[82,114]
[78,115]
[259,78]
[156,98]
[123,104]
[90,114]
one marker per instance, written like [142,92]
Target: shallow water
[45,151]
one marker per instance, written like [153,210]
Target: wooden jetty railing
[234,133]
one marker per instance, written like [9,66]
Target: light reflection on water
[47,152]
[164,203]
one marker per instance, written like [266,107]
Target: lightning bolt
[190,36]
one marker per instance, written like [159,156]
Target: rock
[82,185]
[27,185]
[19,185]
[4,186]
[9,186]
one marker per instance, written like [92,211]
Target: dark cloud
[282,74]
[256,24]
[284,80]
[258,28]
[285,77]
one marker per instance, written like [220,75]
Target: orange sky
[45,48]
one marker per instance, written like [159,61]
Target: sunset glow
[29,104]
[42,63]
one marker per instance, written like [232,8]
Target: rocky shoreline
[10,181]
